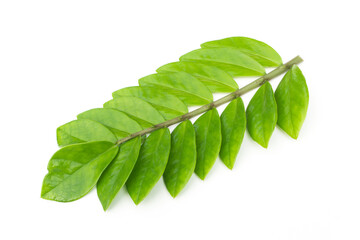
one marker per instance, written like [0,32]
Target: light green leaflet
[208,141]
[83,130]
[261,115]
[233,125]
[259,51]
[75,169]
[182,158]
[118,122]
[150,166]
[186,87]
[292,98]
[116,174]
[141,111]
[231,60]
[214,78]
[167,104]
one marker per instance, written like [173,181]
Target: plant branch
[257,83]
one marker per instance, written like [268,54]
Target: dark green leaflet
[141,111]
[75,169]
[261,115]
[167,104]
[292,98]
[208,141]
[118,171]
[214,78]
[259,51]
[84,130]
[182,158]
[118,122]
[150,166]
[231,60]
[233,125]
[188,88]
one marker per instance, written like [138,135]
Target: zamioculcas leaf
[208,141]
[75,169]
[233,125]
[231,60]
[141,111]
[188,88]
[292,98]
[119,123]
[261,115]
[259,51]
[167,104]
[150,166]
[214,78]
[84,130]
[182,158]
[118,171]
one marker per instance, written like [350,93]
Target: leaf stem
[255,84]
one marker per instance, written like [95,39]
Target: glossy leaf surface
[233,125]
[186,87]
[118,122]
[292,98]
[150,166]
[75,169]
[141,111]
[208,141]
[167,104]
[182,159]
[84,130]
[118,171]
[231,60]
[214,78]
[261,52]
[261,115]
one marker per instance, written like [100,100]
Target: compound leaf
[118,122]
[214,78]
[182,159]
[208,141]
[231,60]
[261,115]
[75,169]
[167,104]
[233,125]
[292,98]
[118,171]
[83,130]
[141,111]
[261,52]
[186,87]
[150,166]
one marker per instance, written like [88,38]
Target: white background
[60,58]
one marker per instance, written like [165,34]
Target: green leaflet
[83,130]
[182,158]
[292,98]
[150,166]
[118,122]
[167,104]
[208,141]
[231,60]
[118,171]
[261,52]
[186,87]
[141,111]
[261,115]
[214,78]
[233,125]
[75,169]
